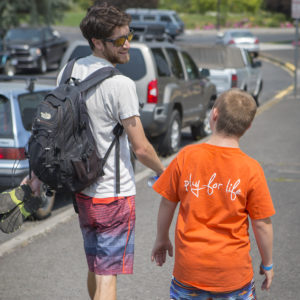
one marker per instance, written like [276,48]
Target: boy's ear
[215,114]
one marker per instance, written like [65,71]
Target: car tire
[9,69]
[42,65]
[45,210]
[258,93]
[170,141]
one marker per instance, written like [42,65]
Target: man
[106,218]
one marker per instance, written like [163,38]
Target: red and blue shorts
[108,234]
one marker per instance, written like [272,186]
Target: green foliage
[34,12]
[203,6]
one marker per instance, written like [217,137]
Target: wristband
[267,268]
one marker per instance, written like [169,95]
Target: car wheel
[171,140]
[48,198]
[42,65]
[9,69]
[258,93]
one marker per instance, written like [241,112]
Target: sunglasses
[120,41]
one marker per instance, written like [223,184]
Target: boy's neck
[223,141]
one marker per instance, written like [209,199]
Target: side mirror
[257,64]
[204,72]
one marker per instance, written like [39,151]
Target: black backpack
[61,150]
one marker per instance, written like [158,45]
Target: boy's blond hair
[236,111]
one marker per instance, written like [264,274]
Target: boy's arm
[263,232]
[162,243]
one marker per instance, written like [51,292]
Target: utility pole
[218,14]
[296,16]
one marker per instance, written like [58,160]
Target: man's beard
[116,58]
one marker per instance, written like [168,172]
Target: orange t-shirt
[218,187]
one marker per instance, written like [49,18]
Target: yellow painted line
[290,66]
[276,99]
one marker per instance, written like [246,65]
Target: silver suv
[171,91]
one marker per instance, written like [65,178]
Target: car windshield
[23,34]
[242,34]
[28,105]
[6,130]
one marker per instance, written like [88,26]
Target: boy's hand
[159,251]
[268,280]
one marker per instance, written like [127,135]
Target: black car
[34,48]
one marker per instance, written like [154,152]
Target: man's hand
[159,251]
[34,183]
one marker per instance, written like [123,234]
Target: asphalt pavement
[52,264]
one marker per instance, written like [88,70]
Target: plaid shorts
[108,234]
[181,291]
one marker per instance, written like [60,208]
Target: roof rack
[149,32]
[30,80]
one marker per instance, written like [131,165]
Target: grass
[205,21]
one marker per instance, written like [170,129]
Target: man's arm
[263,231]
[142,148]
[162,243]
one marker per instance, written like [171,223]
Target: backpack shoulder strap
[68,71]
[97,77]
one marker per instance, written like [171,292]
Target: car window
[241,34]
[165,19]
[149,17]
[162,66]
[136,67]
[175,62]
[6,130]
[48,34]
[28,105]
[191,68]
[81,51]
[135,17]
[23,34]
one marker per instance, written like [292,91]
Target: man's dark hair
[101,20]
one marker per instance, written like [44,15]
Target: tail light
[234,80]
[152,93]
[12,153]
[256,41]
[231,42]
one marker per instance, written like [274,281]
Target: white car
[241,38]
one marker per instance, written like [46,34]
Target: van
[174,26]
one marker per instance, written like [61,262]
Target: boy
[217,186]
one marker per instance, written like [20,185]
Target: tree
[124,4]
[34,12]
[282,6]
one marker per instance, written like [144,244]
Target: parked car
[170,89]
[37,48]
[174,26]
[229,67]
[241,38]
[19,97]
[7,62]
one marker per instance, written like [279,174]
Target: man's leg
[91,284]
[106,287]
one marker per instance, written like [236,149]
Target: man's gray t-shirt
[110,102]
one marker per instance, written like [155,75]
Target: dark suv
[34,48]
[171,91]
